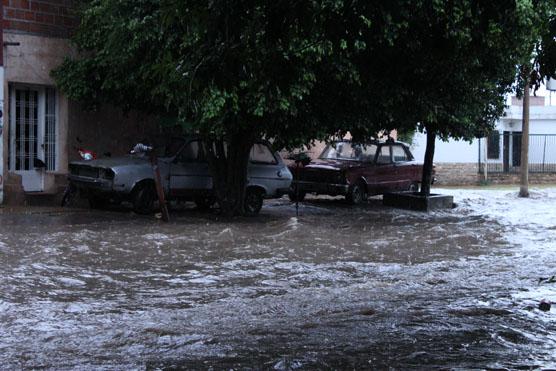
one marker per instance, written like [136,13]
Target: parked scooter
[71,190]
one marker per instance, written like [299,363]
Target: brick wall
[534,178]
[54,18]
[455,174]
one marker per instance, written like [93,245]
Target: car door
[364,166]
[189,172]
[404,168]
[385,179]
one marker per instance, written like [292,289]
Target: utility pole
[524,185]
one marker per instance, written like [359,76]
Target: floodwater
[338,287]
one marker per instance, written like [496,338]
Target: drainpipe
[2,102]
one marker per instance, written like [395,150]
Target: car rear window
[261,154]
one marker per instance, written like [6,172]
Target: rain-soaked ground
[338,287]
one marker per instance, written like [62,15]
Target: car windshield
[349,151]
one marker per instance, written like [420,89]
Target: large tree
[233,71]
[230,71]
[447,65]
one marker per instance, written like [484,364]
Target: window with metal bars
[50,129]
[33,128]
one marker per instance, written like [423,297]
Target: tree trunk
[228,160]
[427,166]
[524,184]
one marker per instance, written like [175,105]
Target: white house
[460,161]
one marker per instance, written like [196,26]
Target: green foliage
[539,48]
[297,71]
[445,66]
[264,69]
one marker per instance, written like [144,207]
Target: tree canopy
[294,71]
[447,64]
[270,69]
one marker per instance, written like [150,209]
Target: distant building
[461,162]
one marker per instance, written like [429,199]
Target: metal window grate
[50,129]
[542,154]
[26,120]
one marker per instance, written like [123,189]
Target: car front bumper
[320,188]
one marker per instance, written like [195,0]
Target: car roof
[372,141]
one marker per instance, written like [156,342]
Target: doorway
[33,134]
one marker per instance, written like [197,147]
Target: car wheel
[413,187]
[204,203]
[253,201]
[296,196]
[356,194]
[143,198]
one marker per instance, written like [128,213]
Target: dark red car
[357,171]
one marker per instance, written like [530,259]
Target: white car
[184,173]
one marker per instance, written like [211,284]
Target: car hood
[334,165]
[114,162]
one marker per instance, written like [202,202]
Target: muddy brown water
[338,287]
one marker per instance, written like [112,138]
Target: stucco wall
[453,151]
[542,121]
[106,130]
[30,63]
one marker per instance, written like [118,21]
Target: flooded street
[337,287]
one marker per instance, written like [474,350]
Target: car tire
[143,199]
[357,194]
[296,196]
[204,202]
[253,201]
[413,187]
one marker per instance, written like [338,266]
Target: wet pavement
[337,287]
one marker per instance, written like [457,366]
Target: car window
[384,155]
[399,154]
[368,152]
[260,153]
[190,152]
[349,151]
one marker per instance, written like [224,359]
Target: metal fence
[501,153]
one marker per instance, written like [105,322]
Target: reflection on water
[366,287]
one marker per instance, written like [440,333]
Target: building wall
[28,60]
[107,130]
[456,161]
[52,18]
[452,151]
[456,173]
